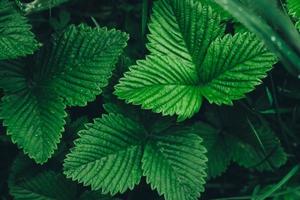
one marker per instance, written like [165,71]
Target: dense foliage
[164,99]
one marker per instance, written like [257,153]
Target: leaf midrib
[130,147]
[225,70]
[180,183]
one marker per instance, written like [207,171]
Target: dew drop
[273,38]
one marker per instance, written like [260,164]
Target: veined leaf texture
[79,63]
[166,110]
[191,59]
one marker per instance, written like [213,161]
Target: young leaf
[175,165]
[190,61]
[107,155]
[45,186]
[16,39]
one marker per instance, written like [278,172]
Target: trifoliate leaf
[167,82]
[259,148]
[175,166]
[45,186]
[16,39]
[82,60]
[250,141]
[77,66]
[190,61]
[107,155]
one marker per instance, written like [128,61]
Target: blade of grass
[283,181]
[272,25]
[145,5]
[95,21]
[248,197]
[261,145]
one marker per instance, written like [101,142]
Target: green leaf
[259,148]
[13,76]
[75,69]
[121,67]
[189,61]
[175,166]
[294,10]
[253,145]
[167,82]
[151,84]
[112,154]
[173,30]
[223,13]
[34,117]
[16,39]
[35,120]
[107,155]
[233,66]
[44,186]
[219,148]
[82,60]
